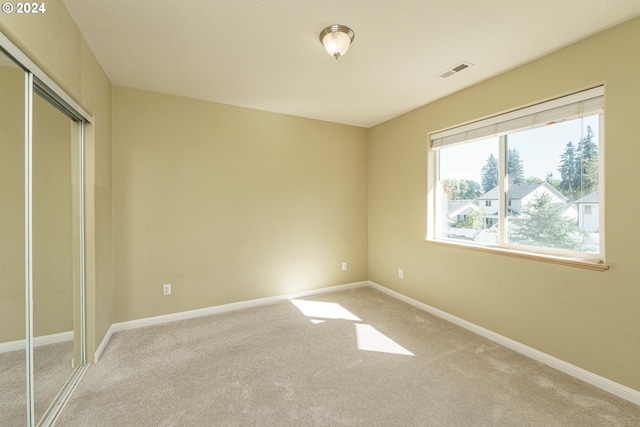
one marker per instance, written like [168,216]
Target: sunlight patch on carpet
[370,339]
[324,310]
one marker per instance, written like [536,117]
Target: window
[527,171]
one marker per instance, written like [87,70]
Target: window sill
[553,259]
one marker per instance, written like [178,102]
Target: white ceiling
[265,54]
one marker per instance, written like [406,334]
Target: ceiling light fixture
[336,39]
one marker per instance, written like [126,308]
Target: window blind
[568,107]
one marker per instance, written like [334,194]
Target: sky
[540,150]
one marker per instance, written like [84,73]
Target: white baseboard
[603,383]
[157,320]
[37,341]
[103,344]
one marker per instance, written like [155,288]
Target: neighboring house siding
[589,212]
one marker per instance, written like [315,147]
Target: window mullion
[601,211]
[502,186]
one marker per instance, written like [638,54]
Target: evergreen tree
[586,147]
[489,174]
[515,167]
[568,169]
[588,151]
[589,175]
[542,224]
[579,167]
[490,171]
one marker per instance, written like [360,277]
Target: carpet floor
[349,358]
[52,368]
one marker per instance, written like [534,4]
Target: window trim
[514,253]
[439,140]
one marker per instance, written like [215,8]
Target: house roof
[520,191]
[455,205]
[590,198]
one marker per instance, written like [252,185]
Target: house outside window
[535,175]
[588,209]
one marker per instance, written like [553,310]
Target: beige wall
[589,319]
[230,204]
[53,217]
[12,304]
[53,42]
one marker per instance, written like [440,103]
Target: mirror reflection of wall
[53,251]
[12,245]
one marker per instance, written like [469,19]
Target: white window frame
[577,105]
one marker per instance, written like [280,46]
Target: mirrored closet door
[55,247]
[42,244]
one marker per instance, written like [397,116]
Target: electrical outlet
[344,266]
[166,289]
[400,273]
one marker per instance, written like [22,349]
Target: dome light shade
[337,39]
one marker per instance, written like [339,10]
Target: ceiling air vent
[455,69]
